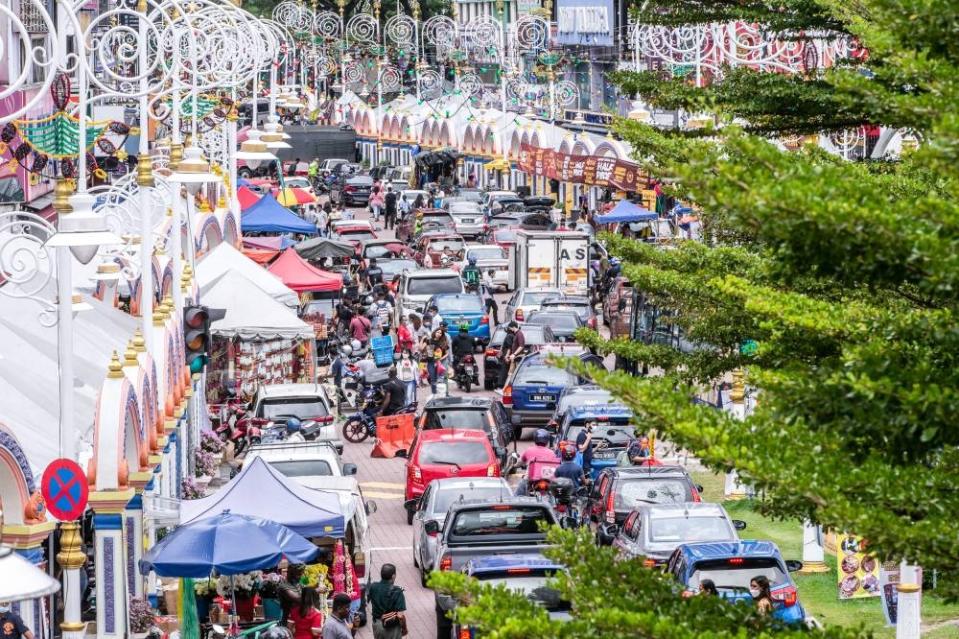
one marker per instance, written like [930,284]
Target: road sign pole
[71,560]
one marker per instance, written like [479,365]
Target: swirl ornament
[401,30]
[531,33]
[439,31]
[470,84]
[31,16]
[565,93]
[484,33]
[390,78]
[326,24]
[355,73]
[362,28]
[288,13]
[430,81]
[26,264]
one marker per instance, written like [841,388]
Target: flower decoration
[141,615]
[210,442]
[242,585]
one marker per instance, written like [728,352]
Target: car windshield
[535,589]
[378,251]
[301,407]
[458,417]
[501,520]
[534,298]
[544,375]
[487,253]
[434,285]
[356,236]
[460,304]
[394,267]
[630,493]
[562,321]
[444,498]
[453,453]
[303,467]
[737,576]
[620,431]
[437,246]
[689,529]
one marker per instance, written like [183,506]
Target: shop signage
[582,22]
[581,169]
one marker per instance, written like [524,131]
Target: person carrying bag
[388,606]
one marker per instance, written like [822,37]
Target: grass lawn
[819,593]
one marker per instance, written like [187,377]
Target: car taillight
[508,396]
[446,563]
[519,315]
[649,563]
[787,595]
[484,320]
[518,571]
[492,470]
[465,633]
[415,474]
[696,496]
[610,511]
[433,534]
[491,352]
[736,561]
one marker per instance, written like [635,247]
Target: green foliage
[781,16]
[610,599]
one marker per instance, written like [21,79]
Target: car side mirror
[432,527]
[370,507]
[349,469]
[402,453]
[699,488]
[739,524]
[793,565]
[411,505]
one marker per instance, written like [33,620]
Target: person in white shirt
[488,287]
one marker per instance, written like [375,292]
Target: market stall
[226,259]
[259,341]
[269,216]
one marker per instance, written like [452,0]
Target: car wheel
[424,575]
[444,626]
[409,518]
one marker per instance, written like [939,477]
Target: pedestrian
[11,625]
[406,373]
[291,170]
[376,201]
[418,202]
[584,444]
[436,320]
[488,287]
[471,181]
[404,335]
[381,312]
[762,597]
[437,349]
[394,394]
[289,590]
[390,208]
[306,618]
[388,605]
[638,451]
[338,625]
[372,275]
[403,206]
[708,587]
[518,345]
[360,327]
[504,353]
[323,220]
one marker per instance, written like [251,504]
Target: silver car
[435,503]
[468,218]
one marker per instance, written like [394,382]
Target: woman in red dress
[307,620]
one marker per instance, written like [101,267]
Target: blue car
[527,573]
[731,566]
[612,434]
[531,392]
[464,308]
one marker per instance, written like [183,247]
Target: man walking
[390,203]
[337,625]
[388,606]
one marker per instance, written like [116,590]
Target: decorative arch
[165,288]
[516,139]
[208,235]
[565,146]
[583,147]
[446,139]
[18,490]
[489,140]
[118,440]
[231,231]
[606,149]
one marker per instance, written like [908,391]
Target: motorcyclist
[294,430]
[538,453]
[462,346]
[569,468]
[394,395]
[471,274]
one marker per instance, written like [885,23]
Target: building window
[32,17]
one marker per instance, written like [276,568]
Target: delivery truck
[552,258]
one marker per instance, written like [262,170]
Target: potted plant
[241,589]
[205,467]
[211,443]
[205,591]
[189,489]
[141,617]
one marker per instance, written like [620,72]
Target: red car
[446,452]
[355,235]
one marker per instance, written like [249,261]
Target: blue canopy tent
[260,490]
[626,212]
[269,216]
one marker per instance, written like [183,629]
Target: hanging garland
[211,111]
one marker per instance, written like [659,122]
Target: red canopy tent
[301,276]
[260,256]
[246,197]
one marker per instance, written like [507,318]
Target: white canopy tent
[224,258]
[250,312]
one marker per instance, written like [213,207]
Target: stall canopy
[260,490]
[269,216]
[246,197]
[626,212]
[317,247]
[301,276]
[224,258]
[270,242]
[251,313]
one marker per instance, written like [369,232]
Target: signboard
[889,579]
[858,572]
[526,6]
[585,22]
[64,487]
[581,169]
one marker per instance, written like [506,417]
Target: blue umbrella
[227,543]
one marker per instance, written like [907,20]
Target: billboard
[581,169]
[585,22]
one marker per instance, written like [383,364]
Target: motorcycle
[362,424]
[466,372]
[563,497]
[242,429]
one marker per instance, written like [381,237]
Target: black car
[471,413]
[353,192]
[562,322]
[618,491]
[534,335]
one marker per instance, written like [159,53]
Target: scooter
[563,497]
[466,372]
[361,425]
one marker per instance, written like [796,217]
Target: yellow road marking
[383,484]
[379,495]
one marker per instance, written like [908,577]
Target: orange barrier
[393,433]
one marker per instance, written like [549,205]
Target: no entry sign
[64,488]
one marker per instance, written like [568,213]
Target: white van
[416,287]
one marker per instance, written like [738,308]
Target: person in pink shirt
[538,453]
[360,328]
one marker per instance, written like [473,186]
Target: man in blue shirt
[584,444]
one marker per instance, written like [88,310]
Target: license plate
[465,221]
[539,397]
[604,455]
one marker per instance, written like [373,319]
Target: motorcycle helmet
[356,346]
[293,425]
[569,453]
[541,437]
[472,260]
[464,328]
[276,632]
[347,350]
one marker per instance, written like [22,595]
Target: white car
[489,257]
[353,224]
[527,300]
[416,287]
[306,402]
[332,163]
[302,459]
[299,182]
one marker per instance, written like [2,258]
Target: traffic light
[196,335]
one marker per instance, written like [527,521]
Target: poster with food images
[858,571]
